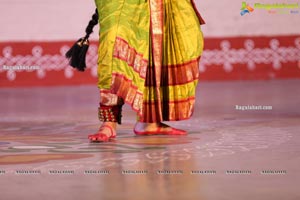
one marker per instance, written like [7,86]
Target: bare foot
[106,131]
[142,128]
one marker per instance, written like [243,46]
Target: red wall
[228,58]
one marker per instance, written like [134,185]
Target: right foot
[105,132]
[156,129]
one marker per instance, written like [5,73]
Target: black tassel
[82,55]
[77,54]
[78,51]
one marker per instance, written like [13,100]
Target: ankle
[113,125]
[108,128]
[145,126]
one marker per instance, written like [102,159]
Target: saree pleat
[149,54]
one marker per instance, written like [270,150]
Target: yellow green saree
[148,55]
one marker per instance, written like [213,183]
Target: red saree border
[124,88]
[128,54]
[107,98]
[172,102]
[157,27]
[185,73]
[178,110]
[185,63]
[156,36]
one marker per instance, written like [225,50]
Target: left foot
[106,132]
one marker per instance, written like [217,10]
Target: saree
[148,55]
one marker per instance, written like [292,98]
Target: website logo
[271,8]
[246,8]
[278,8]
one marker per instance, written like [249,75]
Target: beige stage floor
[229,154]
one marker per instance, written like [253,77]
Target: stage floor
[229,154]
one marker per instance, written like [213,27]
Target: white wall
[44,20]
[223,19]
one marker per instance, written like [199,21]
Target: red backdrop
[232,58]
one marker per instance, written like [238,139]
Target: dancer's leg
[109,114]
